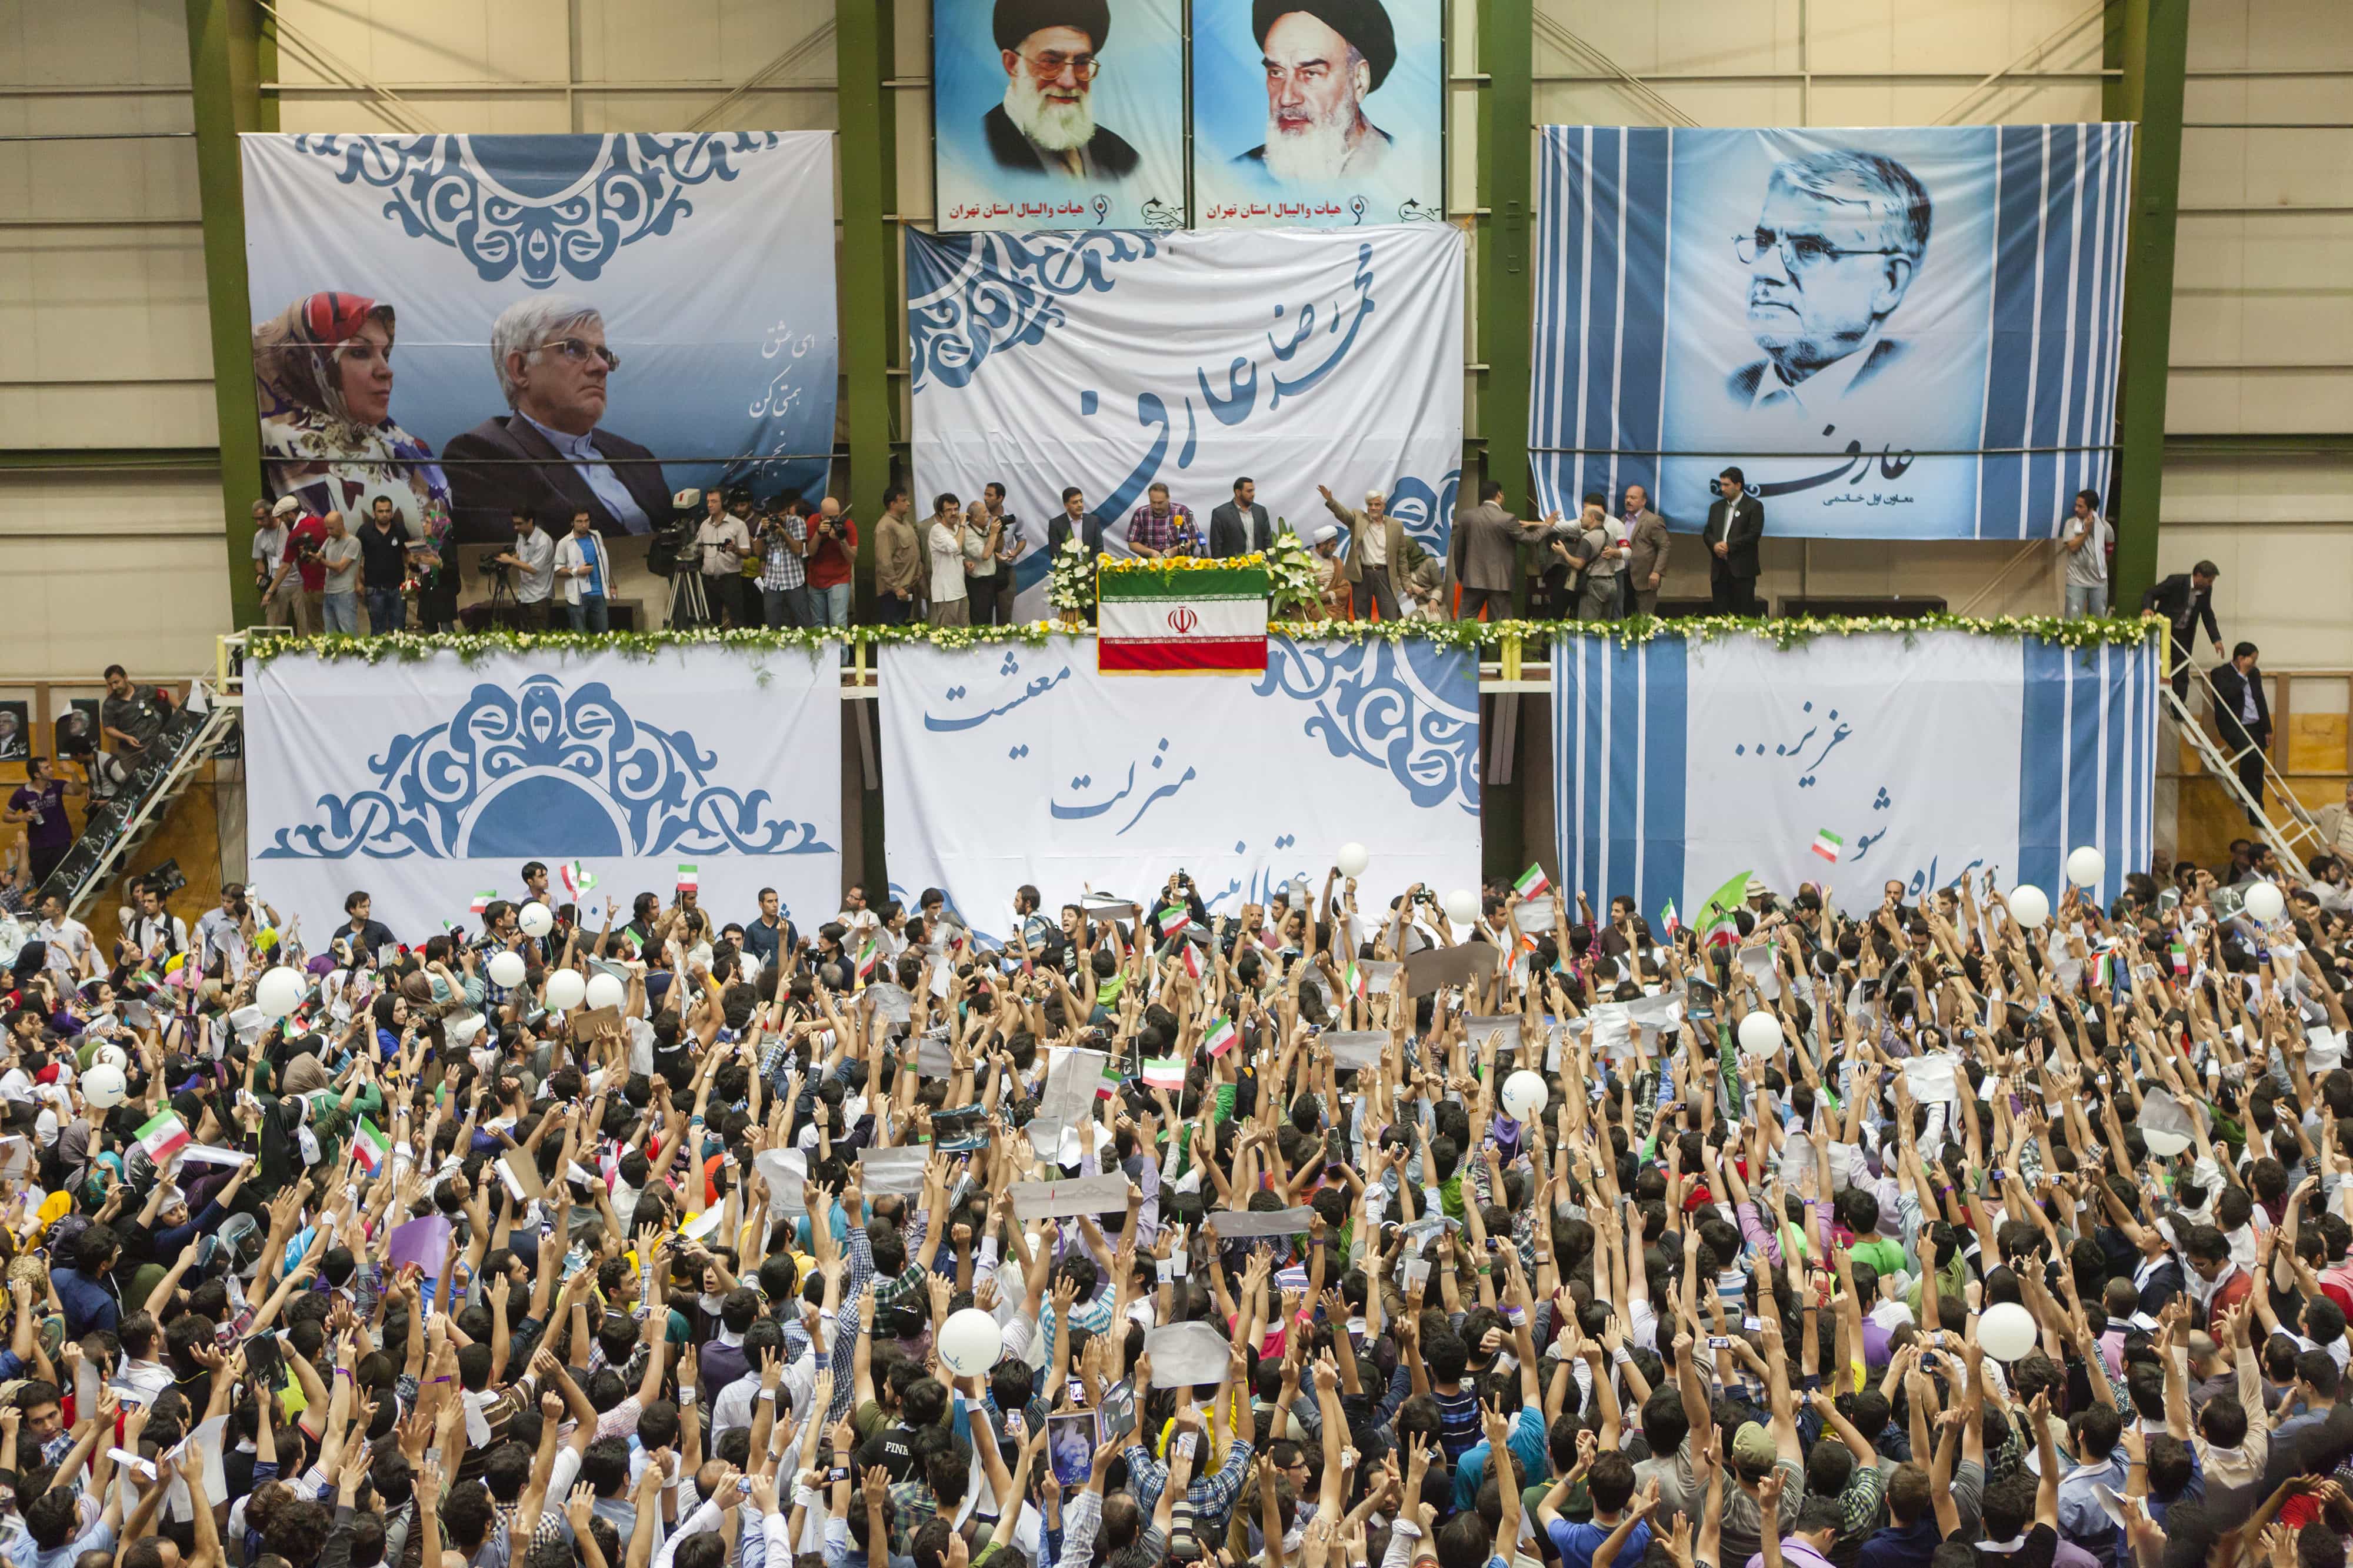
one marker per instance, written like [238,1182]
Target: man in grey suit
[1486,553]
[1647,544]
[1240,527]
[1735,524]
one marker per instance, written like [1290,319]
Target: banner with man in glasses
[475,325]
[1904,334]
[1057,114]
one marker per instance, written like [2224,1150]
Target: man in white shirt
[283,607]
[533,561]
[220,932]
[68,939]
[2087,535]
[586,574]
[150,930]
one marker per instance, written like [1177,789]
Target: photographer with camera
[723,542]
[783,543]
[832,553]
[533,560]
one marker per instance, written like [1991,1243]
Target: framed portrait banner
[1057,114]
[470,324]
[1323,112]
[1897,334]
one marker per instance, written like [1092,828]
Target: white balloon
[1462,905]
[2030,906]
[1760,1033]
[279,991]
[565,988]
[536,920]
[2086,866]
[970,1342]
[2265,903]
[507,969]
[104,1087]
[1352,859]
[605,991]
[2006,1331]
[1524,1095]
[110,1057]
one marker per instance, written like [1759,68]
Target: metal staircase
[116,827]
[2294,839]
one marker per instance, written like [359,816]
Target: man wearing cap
[1052,52]
[281,601]
[1323,58]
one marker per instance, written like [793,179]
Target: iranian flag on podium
[1185,616]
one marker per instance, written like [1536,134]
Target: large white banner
[1009,764]
[1917,759]
[426,782]
[1112,361]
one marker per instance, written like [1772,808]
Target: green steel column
[870,261]
[1505,326]
[864,55]
[2156,62]
[223,64]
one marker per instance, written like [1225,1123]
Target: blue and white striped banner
[1924,758]
[1924,347]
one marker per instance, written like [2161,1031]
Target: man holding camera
[783,544]
[832,551]
[533,560]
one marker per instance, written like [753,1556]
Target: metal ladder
[84,875]
[2293,842]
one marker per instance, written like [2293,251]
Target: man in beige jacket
[2335,823]
[1647,544]
[897,562]
[1376,543]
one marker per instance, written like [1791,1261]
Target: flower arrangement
[1165,565]
[1294,583]
[472,647]
[1070,582]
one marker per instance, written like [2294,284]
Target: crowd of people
[732,559]
[1332,1231]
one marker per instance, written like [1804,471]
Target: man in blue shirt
[1610,1484]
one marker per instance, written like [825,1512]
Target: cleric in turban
[1052,52]
[1323,58]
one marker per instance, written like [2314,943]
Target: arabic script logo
[542,771]
[1411,708]
[544,206]
[972,295]
[1182,620]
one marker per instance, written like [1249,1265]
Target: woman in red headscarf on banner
[322,369]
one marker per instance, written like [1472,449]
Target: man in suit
[2185,599]
[1241,526]
[2333,822]
[1485,554]
[1376,547]
[1046,125]
[549,455]
[2244,715]
[1072,520]
[1647,544]
[1735,524]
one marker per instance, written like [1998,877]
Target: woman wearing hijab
[323,371]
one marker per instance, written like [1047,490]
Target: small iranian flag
[1355,978]
[369,1146]
[1532,882]
[578,878]
[1716,925]
[1163,1072]
[1668,922]
[484,899]
[2180,958]
[1828,844]
[686,876]
[1181,620]
[163,1137]
[1173,919]
[867,956]
[1223,1037]
[1194,962]
[1107,1086]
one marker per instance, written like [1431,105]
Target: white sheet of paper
[704,1223]
[785,1171]
[1506,1026]
[890,1170]
[206,1155]
[1240,1224]
[1186,1354]
[1930,1078]
[1380,975]
[1359,1048]
[1534,916]
[1066,1199]
[207,1440]
[1763,968]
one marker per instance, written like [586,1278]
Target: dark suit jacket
[486,485]
[1058,534]
[1231,534]
[2232,688]
[1746,526]
[1885,355]
[1012,150]
[2179,600]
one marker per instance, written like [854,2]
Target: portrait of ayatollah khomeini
[1053,53]
[1323,59]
